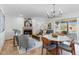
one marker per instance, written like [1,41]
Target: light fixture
[53,12]
[21,15]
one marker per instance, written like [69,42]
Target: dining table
[57,40]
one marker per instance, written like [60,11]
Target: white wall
[71,15]
[37,22]
[2,39]
[18,23]
[12,23]
[8,27]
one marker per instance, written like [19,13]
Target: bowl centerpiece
[54,35]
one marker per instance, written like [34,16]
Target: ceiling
[34,10]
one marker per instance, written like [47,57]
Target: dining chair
[47,45]
[15,37]
[23,41]
[69,48]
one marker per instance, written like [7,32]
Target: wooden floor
[9,49]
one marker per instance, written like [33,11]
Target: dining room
[51,29]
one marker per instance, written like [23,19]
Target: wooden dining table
[57,40]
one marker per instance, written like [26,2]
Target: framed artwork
[28,22]
[49,26]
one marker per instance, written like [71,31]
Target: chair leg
[26,49]
[57,50]
[73,50]
[42,51]
[73,53]
[61,51]
[46,52]
[14,41]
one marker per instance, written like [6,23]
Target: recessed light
[21,15]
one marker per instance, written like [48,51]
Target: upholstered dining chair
[47,45]
[69,45]
[69,48]
[23,41]
[15,37]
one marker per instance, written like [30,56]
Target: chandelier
[53,12]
